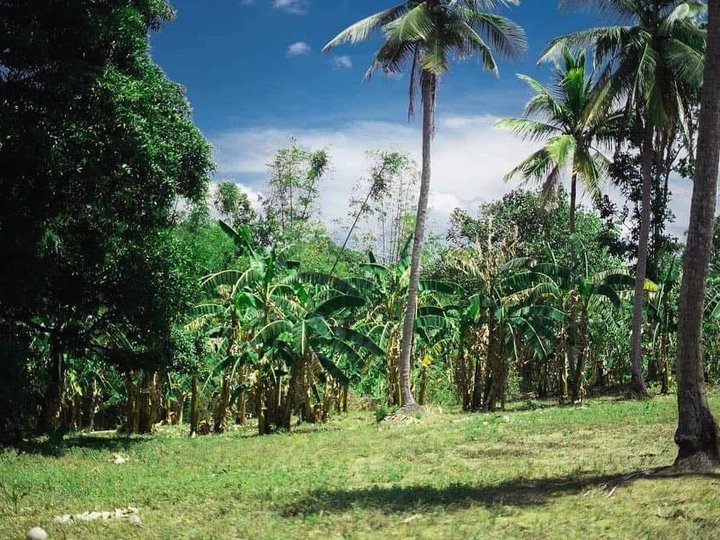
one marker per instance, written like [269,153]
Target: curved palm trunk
[638,381]
[697,433]
[429,88]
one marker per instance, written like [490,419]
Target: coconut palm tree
[573,118]
[654,62]
[422,36]
[697,432]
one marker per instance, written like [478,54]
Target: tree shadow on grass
[56,445]
[519,492]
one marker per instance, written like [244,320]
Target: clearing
[536,471]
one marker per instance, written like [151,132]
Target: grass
[532,472]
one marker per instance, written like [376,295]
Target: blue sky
[232,55]
[255,77]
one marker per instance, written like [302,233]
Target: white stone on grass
[37,533]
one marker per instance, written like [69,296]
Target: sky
[255,76]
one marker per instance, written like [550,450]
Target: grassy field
[533,472]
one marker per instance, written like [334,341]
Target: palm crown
[425,34]
[655,59]
[573,117]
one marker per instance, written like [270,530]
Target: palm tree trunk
[429,88]
[572,349]
[573,213]
[697,433]
[638,381]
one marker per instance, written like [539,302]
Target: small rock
[37,533]
[135,520]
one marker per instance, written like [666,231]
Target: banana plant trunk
[194,412]
[697,432]
[429,91]
[637,380]
[223,402]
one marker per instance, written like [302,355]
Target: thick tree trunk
[132,405]
[429,88]
[90,407]
[637,381]
[697,434]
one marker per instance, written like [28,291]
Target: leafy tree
[233,204]
[97,144]
[422,35]
[380,214]
[662,317]
[287,326]
[574,119]
[294,183]
[573,124]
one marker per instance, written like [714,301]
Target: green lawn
[547,472]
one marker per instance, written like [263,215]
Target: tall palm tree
[573,118]
[654,62]
[422,36]
[697,433]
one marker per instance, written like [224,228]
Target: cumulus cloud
[342,62]
[299,48]
[470,158]
[296,7]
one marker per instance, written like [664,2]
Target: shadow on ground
[518,492]
[57,445]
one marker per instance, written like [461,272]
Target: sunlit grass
[530,472]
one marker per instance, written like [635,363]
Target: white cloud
[296,7]
[342,62]
[299,48]
[470,158]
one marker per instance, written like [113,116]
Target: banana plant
[662,317]
[578,288]
[509,308]
[288,327]
[385,288]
